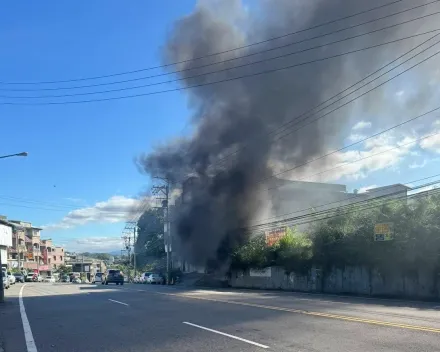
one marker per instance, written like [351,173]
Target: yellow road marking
[317,314]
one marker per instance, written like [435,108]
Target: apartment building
[28,251]
[58,257]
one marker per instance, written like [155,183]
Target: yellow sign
[383,232]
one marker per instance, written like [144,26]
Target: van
[97,278]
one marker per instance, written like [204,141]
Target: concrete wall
[424,284]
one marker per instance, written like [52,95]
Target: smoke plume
[232,148]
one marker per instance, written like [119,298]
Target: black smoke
[232,148]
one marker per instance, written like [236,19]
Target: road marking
[228,335]
[317,314]
[29,338]
[125,304]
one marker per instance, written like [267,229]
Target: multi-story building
[28,251]
[5,241]
[58,257]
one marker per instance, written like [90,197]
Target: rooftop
[396,185]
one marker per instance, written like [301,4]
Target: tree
[150,243]
[63,270]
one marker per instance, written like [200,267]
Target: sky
[80,180]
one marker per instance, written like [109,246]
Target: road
[71,317]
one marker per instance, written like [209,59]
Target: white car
[11,278]
[98,278]
[49,279]
[144,278]
[155,279]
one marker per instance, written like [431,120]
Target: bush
[294,251]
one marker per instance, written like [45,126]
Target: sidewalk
[11,328]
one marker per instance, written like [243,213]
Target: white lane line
[125,304]
[224,334]
[30,343]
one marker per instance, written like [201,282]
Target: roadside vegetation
[347,238]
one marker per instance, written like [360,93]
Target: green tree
[294,251]
[62,269]
[150,243]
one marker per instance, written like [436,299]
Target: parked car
[113,276]
[6,283]
[76,280]
[65,278]
[155,279]
[49,279]
[30,277]
[144,277]
[98,278]
[19,277]
[11,278]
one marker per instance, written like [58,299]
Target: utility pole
[134,249]
[129,227]
[165,190]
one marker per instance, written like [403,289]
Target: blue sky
[82,152]
[82,155]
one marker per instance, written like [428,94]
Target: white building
[5,241]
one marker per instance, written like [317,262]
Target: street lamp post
[11,155]
[2,291]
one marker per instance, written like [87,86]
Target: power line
[213,54]
[285,125]
[348,102]
[291,221]
[231,59]
[339,201]
[415,196]
[219,81]
[369,156]
[208,73]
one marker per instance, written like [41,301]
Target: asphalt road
[69,317]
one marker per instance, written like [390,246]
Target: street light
[11,155]
[2,291]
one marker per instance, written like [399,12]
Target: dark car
[113,276]
[19,277]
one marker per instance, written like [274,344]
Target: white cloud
[361,125]
[366,188]
[94,244]
[415,165]
[431,143]
[400,93]
[354,137]
[115,209]
[383,152]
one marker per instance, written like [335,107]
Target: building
[28,252]
[5,241]
[58,257]
[81,264]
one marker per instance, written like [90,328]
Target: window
[61,258]
[54,257]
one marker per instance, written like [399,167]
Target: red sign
[45,256]
[273,236]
